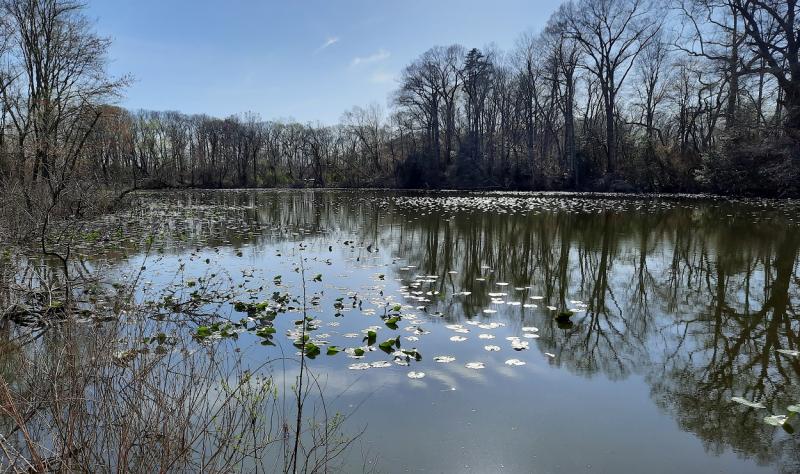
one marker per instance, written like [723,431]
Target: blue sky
[309,60]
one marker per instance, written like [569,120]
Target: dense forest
[617,95]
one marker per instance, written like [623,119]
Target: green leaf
[333,350]
[413,353]
[266,332]
[387,346]
[312,350]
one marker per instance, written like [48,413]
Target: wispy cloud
[380,55]
[327,44]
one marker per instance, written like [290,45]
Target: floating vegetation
[457,328]
[491,325]
[776,420]
[564,316]
[518,345]
[747,403]
[375,305]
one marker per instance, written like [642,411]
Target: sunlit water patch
[501,331]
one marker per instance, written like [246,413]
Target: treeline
[623,95]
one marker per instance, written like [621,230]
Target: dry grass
[141,395]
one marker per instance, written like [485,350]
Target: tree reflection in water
[694,297]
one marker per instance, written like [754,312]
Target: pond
[543,333]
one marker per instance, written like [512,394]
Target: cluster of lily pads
[260,322]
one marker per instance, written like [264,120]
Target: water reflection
[693,297]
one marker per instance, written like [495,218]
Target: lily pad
[775,420]
[789,352]
[747,403]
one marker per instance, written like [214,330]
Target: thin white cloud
[380,55]
[328,43]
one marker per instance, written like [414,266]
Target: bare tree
[652,85]
[58,63]
[772,30]
[566,53]
[612,33]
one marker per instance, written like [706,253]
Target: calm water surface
[679,306]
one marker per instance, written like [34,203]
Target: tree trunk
[569,131]
[733,72]
[611,139]
[791,108]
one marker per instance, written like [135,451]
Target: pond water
[555,333]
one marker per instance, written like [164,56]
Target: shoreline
[633,196]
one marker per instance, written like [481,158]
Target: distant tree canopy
[623,95]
